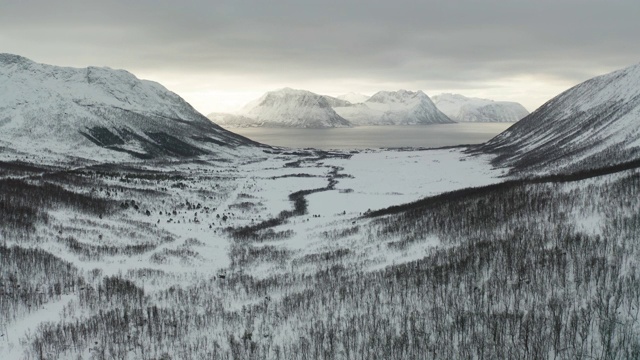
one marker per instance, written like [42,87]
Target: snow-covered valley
[172,225]
[201,244]
[220,257]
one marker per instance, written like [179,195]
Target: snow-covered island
[460,108]
[304,109]
[400,107]
[285,108]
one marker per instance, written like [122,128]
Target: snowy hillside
[394,108]
[354,98]
[100,113]
[289,108]
[594,124]
[464,109]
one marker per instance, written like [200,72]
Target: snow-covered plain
[384,178]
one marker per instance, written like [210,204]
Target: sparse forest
[524,269]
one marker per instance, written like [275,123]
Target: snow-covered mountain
[231,120]
[288,108]
[336,102]
[100,113]
[354,98]
[464,109]
[593,124]
[394,108]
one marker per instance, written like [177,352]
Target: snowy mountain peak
[289,108]
[400,107]
[467,109]
[7,59]
[98,112]
[400,96]
[285,95]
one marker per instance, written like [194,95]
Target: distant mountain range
[303,109]
[110,115]
[460,108]
[593,124]
[394,108]
[101,113]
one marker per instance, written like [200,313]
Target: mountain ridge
[303,109]
[470,109]
[593,124]
[289,107]
[99,112]
[401,107]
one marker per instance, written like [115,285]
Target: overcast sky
[220,54]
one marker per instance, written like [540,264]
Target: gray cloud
[440,44]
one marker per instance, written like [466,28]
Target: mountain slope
[394,108]
[593,124]
[289,108]
[463,109]
[100,113]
